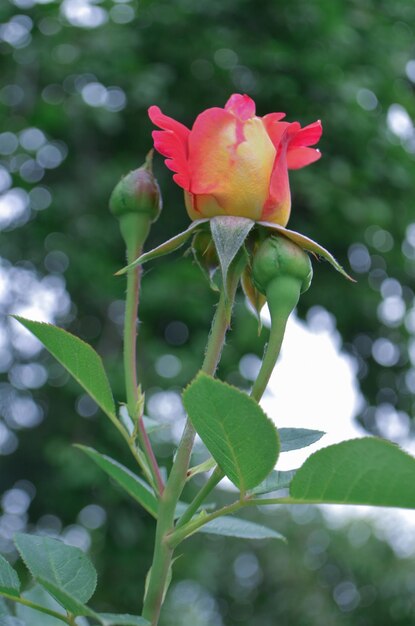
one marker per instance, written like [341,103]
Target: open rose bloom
[235,163]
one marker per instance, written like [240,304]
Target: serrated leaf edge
[22,321]
[200,375]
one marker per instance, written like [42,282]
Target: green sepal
[308,244]
[256,299]
[229,234]
[205,257]
[171,245]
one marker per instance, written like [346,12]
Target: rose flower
[235,163]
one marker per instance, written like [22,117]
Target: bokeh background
[76,79]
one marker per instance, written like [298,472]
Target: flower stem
[135,229]
[214,479]
[279,315]
[37,607]
[272,351]
[163,551]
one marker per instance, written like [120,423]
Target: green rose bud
[137,192]
[281,271]
[279,257]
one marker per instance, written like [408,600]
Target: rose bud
[281,271]
[234,163]
[137,192]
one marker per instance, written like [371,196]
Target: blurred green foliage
[82,73]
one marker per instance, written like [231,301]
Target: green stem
[280,309]
[177,479]
[135,229]
[184,531]
[285,500]
[271,355]
[272,351]
[214,479]
[36,607]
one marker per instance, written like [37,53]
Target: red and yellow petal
[234,163]
[307,136]
[278,203]
[242,106]
[172,142]
[300,157]
[231,161]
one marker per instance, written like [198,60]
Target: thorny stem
[279,316]
[135,231]
[163,551]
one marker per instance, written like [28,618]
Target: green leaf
[361,471]
[125,478]
[308,244]
[39,596]
[81,361]
[275,481]
[71,604]
[9,580]
[111,619]
[240,437]
[171,245]
[64,571]
[4,609]
[297,438]
[9,620]
[229,234]
[237,527]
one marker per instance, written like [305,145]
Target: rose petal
[300,157]
[172,142]
[168,123]
[275,128]
[242,106]
[232,161]
[307,136]
[278,204]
